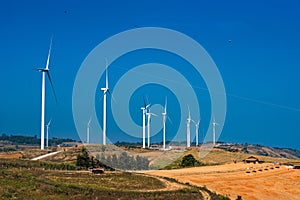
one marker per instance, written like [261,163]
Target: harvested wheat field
[10,155]
[251,181]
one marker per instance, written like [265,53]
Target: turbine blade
[89,122]
[166,105]
[189,112]
[49,122]
[106,74]
[169,119]
[154,114]
[49,53]
[112,96]
[147,100]
[145,104]
[102,96]
[51,83]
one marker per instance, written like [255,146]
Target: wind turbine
[47,132]
[144,111]
[188,129]
[45,71]
[164,114]
[197,131]
[148,113]
[105,90]
[214,131]
[88,131]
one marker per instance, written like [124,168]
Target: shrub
[239,197]
[190,161]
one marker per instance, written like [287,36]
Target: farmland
[21,179]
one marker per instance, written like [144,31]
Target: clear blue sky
[260,67]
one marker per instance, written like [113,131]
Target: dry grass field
[21,179]
[232,180]
[221,175]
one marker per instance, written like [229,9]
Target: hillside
[25,179]
[171,159]
[20,142]
[261,150]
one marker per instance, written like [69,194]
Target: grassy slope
[27,180]
[20,183]
[219,156]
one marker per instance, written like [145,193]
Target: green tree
[188,161]
[83,159]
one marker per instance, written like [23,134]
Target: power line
[243,98]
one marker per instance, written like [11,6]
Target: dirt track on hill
[232,180]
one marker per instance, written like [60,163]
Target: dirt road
[251,181]
[46,155]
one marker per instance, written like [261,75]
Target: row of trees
[123,161]
[36,165]
[31,140]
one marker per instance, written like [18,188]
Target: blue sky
[260,67]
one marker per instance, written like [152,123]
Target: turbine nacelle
[42,70]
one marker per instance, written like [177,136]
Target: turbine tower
[214,131]
[148,113]
[45,71]
[88,131]
[197,132]
[188,130]
[164,114]
[105,90]
[47,132]
[144,111]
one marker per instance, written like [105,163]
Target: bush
[190,161]
[239,197]
[221,197]
[83,159]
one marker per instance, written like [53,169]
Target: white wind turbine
[88,131]
[105,90]
[188,129]
[214,123]
[148,113]
[144,111]
[164,114]
[197,132]
[47,133]
[45,71]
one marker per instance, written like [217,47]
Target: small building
[252,159]
[297,166]
[293,165]
[69,144]
[154,147]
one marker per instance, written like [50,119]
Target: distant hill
[14,142]
[261,150]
